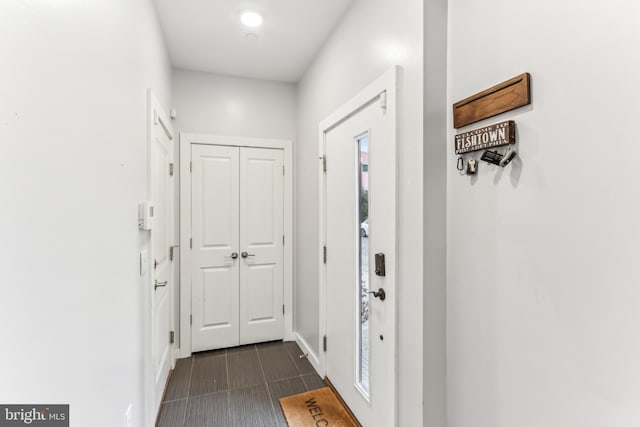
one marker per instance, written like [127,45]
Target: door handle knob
[246,255]
[157,284]
[380,293]
[234,255]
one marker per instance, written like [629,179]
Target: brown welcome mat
[316,408]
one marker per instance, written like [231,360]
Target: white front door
[161,154]
[359,223]
[237,228]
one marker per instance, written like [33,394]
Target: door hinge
[324,163]
[172,254]
[191,319]
[324,254]
[324,343]
[171,337]
[155,264]
[282,170]
[190,166]
[283,240]
[282,308]
[190,243]
[383,101]
[170,169]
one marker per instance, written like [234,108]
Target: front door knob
[380,293]
[245,254]
[234,255]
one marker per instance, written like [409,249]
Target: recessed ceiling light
[251,19]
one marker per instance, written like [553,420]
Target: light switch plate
[143,263]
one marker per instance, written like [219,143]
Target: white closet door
[237,227]
[261,243]
[215,233]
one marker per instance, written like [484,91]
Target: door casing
[186,140]
[386,83]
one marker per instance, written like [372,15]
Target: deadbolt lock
[381,268]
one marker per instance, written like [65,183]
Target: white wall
[225,105]
[435,212]
[73,147]
[373,36]
[543,291]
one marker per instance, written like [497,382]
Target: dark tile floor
[236,387]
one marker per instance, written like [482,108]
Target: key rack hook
[499,159]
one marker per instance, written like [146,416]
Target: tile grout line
[285,378]
[186,405]
[174,400]
[226,364]
[308,385]
[210,393]
[274,416]
[264,375]
[302,374]
[244,387]
[304,382]
[295,364]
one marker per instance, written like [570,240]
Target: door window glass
[363,266]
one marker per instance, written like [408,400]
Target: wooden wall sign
[502,133]
[506,96]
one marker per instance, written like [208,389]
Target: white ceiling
[207,35]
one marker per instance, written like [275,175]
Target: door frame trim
[388,83]
[186,140]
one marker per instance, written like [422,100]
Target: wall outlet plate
[128,416]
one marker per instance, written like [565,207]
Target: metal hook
[472,167]
[460,164]
[496,158]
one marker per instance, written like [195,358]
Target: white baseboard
[183,352]
[311,356]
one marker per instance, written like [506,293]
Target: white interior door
[360,222]
[215,253]
[261,242]
[161,154]
[237,254]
